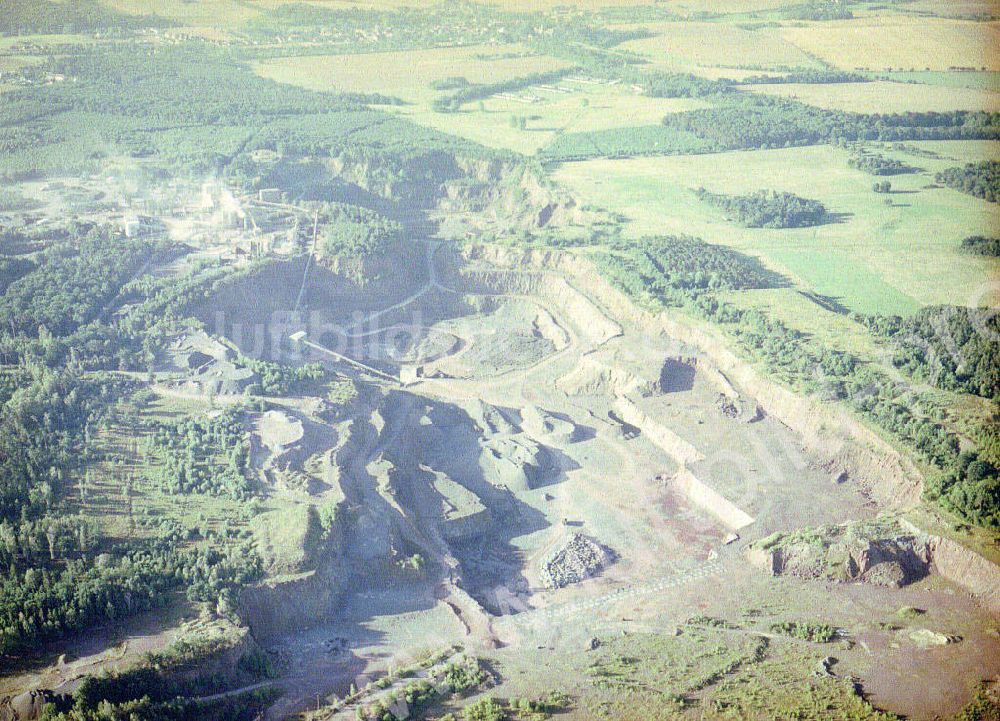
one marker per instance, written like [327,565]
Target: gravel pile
[581,558]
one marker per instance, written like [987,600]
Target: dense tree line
[979,179]
[952,347]
[982,245]
[807,77]
[745,121]
[767,209]
[878,164]
[453,102]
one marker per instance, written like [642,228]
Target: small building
[269,195]
[409,373]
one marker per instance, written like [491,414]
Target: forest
[767,209]
[201,455]
[44,17]
[351,231]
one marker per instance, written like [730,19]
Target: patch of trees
[748,121]
[970,489]
[453,82]
[12,269]
[821,10]
[807,631]
[883,187]
[981,245]
[767,209]
[676,267]
[42,429]
[355,232]
[277,379]
[201,455]
[979,179]
[951,347]
[878,164]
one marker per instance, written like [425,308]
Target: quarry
[529,461]
[334,393]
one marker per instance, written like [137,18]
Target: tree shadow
[826,302]
[834,218]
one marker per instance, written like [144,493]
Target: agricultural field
[886,97]
[684,44]
[899,43]
[884,272]
[567,106]
[407,75]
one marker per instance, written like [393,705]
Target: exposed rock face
[968,569]
[882,553]
[27,706]
[281,606]
[579,559]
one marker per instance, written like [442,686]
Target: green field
[873,259]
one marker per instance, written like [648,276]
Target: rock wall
[710,501]
[664,438]
[283,605]
[967,569]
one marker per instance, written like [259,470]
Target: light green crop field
[901,43]
[885,97]
[875,258]
[717,44]
[408,74]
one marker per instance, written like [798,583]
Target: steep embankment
[474,192]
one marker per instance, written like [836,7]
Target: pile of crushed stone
[579,559]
